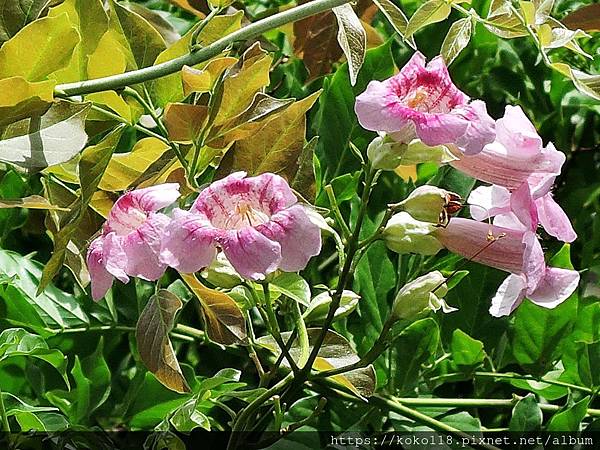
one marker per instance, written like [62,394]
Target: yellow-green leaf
[588,84]
[53,138]
[31,202]
[20,98]
[225,322]
[154,345]
[184,121]
[277,145]
[432,11]
[124,168]
[397,19]
[39,49]
[457,39]
[352,38]
[203,80]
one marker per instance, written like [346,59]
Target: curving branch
[168,67]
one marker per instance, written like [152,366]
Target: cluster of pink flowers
[421,102]
[256,221]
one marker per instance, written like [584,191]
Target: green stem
[126,122]
[303,341]
[516,376]
[336,212]
[180,331]
[5,424]
[160,70]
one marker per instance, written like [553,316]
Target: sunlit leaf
[53,138]
[203,80]
[466,351]
[164,28]
[429,12]
[352,39]
[154,345]
[396,17]
[292,285]
[457,39]
[225,322]
[48,44]
[20,98]
[31,202]
[569,418]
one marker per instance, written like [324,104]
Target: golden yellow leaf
[20,98]
[407,172]
[202,80]
[184,121]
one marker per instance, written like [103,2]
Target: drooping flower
[521,210]
[516,156]
[256,221]
[131,237]
[515,251]
[421,101]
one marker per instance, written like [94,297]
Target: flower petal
[142,248]
[187,244]
[437,129]
[534,265]
[481,129]
[555,287]
[516,132]
[299,238]
[488,201]
[101,279]
[523,206]
[251,253]
[554,220]
[509,295]
[114,257]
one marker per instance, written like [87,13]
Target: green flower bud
[421,296]
[385,153]
[405,234]
[417,153]
[319,306]
[429,203]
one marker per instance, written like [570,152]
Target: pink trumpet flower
[521,210]
[131,238]
[517,155]
[256,221]
[514,251]
[421,101]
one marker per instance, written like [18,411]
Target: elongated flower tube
[131,237]
[521,210]
[515,251]
[516,156]
[256,221]
[421,101]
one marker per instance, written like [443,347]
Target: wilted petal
[509,295]
[555,287]
[101,279]
[299,238]
[252,254]
[554,220]
[187,244]
[142,248]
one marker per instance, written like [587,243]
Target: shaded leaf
[184,122]
[457,39]
[586,18]
[53,138]
[570,417]
[154,345]
[352,39]
[304,179]
[223,318]
[18,13]
[20,99]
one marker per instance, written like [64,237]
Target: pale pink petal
[554,220]
[480,130]
[510,220]
[534,265]
[524,207]
[299,238]
[114,257]
[251,254]
[555,287]
[187,244]
[373,111]
[142,248]
[488,201]
[101,279]
[437,129]
[509,295]
[516,132]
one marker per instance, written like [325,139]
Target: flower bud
[429,203]
[417,153]
[421,296]
[385,153]
[319,306]
[221,273]
[405,234]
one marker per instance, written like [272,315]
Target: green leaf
[429,12]
[466,351]
[18,13]
[352,38]
[292,285]
[457,39]
[19,342]
[304,180]
[53,138]
[225,322]
[92,164]
[20,99]
[526,415]
[415,346]
[48,44]
[154,345]
[396,18]
[570,417]
[187,417]
[53,308]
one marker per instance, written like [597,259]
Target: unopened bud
[421,296]
[405,234]
[429,203]
[385,153]
[319,306]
